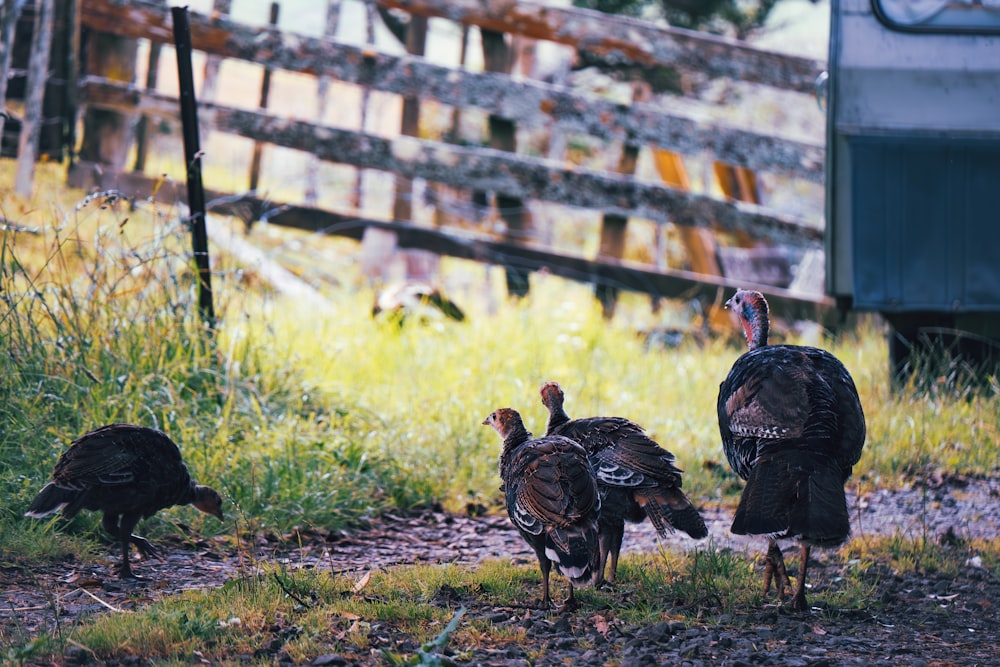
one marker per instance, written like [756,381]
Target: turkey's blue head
[751,307]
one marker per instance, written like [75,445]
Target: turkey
[636,477]
[406,299]
[792,427]
[128,473]
[552,499]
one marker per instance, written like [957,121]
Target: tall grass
[307,415]
[98,324]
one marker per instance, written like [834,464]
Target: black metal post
[192,158]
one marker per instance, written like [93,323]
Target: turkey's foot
[774,569]
[571,604]
[145,547]
[127,576]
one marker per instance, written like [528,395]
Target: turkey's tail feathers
[52,499]
[795,493]
[575,552]
[669,509]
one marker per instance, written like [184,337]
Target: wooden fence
[686,61]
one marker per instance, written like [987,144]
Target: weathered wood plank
[519,176]
[628,39]
[631,276]
[487,169]
[631,40]
[663,282]
[529,103]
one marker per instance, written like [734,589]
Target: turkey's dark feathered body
[552,499]
[635,475]
[792,426]
[117,469]
[127,472]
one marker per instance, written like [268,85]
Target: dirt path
[952,620]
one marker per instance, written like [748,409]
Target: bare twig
[289,592]
[100,601]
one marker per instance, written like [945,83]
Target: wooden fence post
[613,235]
[416,44]
[503,136]
[698,241]
[322,93]
[419,264]
[213,63]
[142,125]
[439,192]
[38,71]
[265,93]
[106,133]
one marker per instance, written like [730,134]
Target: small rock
[330,660]
[75,655]
[656,632]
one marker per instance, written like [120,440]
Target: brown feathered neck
[508,424]
[751,307]
[515,437]
[552,399]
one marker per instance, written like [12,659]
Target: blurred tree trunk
[38,74]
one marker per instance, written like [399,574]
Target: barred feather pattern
[551,496]
[637,477]
[792,426]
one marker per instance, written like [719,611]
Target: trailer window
[940,15]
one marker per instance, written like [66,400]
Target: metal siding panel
[867,214]
[982,246]
[893,179]
[957,168]
[925,224]
[923,231]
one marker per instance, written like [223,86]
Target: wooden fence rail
[696,57]
[696,54]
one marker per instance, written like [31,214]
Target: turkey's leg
[144,546]
[112,525]
[603,541]
[546,566]
[570,604]
[126,538]
[799,601]
[774,567]
[618,532]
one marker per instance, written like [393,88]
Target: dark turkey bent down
[552,499]
[792,426]
[637,478]
[128,473]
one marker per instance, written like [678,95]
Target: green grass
[305,613]
[318,417]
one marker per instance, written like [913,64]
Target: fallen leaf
[601,624]
[362,582]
